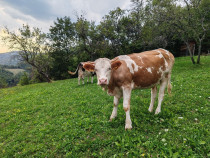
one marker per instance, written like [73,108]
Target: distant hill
[9,58]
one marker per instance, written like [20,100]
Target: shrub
[24,80]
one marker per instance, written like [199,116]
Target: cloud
[42,13]
[38,9]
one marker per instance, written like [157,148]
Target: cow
[82,73]
[134,71]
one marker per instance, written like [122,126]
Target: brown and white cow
[139,70]
[82,73]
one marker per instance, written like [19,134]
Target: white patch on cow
[160,55]
[149,70]
[132,85]
[166,63]
[160,70]
[129,63]
[141,59]
[167,52]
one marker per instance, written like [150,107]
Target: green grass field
[63,119]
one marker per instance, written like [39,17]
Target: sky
[42,13]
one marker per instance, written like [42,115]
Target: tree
[33,48]
[117,32]
[198,10]
[62,37]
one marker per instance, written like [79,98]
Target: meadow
[63,119]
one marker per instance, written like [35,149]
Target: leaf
[202,142]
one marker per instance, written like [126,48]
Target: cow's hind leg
[163,84]
[78,80]
[91,79]
[88,79]
[114,112]
[83,80]
[153,96]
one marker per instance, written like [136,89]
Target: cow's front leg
[114,112]
[126,106]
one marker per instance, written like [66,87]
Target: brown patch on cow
[143,78]
[125,109]
[89,67]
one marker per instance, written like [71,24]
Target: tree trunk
[45,76]
[191,55]
[199,52]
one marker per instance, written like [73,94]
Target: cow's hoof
[157,112]
[150,110]
[110,120]
[128,127]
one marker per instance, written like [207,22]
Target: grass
[63,119]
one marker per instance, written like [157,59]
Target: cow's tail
[73,73]
[169,84]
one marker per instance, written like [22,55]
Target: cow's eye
[96,70]
[109,68]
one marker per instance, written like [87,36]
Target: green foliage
[24,80]
[3,83]
[7,78]
[63,119]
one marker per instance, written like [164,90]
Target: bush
[3,83]
[24,80]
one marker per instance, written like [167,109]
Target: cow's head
[103,68]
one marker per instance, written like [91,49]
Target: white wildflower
[163,140]
[165,144]
[196,119]
[166,130]
[180,117]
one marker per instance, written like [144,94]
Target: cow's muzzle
[102,81]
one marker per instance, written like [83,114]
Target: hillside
[63,119]
[9,58]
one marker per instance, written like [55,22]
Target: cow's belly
[87,74]
[147,79]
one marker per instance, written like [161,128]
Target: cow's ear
[89,67]
[115,65]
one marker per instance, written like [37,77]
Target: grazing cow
[82,73]
[139,70]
